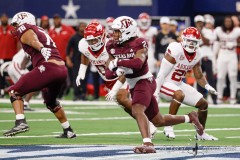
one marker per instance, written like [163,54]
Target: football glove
[210,89]
[81,74]
[113,64]
[46,53]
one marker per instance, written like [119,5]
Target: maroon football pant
[47,77]
[142,94]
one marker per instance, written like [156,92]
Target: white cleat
[206,137]
[153,130]
[169,133]
[233,101]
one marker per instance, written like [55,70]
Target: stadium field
[102,126]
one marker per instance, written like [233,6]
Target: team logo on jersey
[112,51]
[41,68]
[181,57]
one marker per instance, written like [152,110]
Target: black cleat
[67,133]
[20,126]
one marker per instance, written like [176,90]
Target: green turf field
[100,124]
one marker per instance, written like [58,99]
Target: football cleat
[193,116]
[233,101]
[67,133]
[169,133]
[206,137]
[27,108]
[145,148]
[153,130]
[20,126]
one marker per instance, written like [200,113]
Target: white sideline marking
[105,103]
[125,133]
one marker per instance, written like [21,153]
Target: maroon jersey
[44,38]
[128,50]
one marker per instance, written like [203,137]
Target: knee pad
[14,96]
[54,107]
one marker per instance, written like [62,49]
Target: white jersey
[149,35]
[184,62]
[97,59]
[228,41]
[207,50]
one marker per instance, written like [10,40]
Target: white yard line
[105,103]
[233,137]
[110,118]
[126,133]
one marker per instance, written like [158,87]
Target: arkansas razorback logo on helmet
[126,23]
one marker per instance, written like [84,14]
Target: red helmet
[93,31]
[144,21]
[191,39]
[109,22]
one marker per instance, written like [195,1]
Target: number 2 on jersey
[178,74]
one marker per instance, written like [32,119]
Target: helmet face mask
[144,21]
[126,26]
[94,34]
[191,39]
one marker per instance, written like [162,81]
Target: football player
[181,57]
[226,57]
[48,73]
[149,33]
[93,50]
[17,68]
[131,52]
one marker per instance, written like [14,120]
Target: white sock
[187,119]
[25,103]
[20,116]
[65,125]
[147,140]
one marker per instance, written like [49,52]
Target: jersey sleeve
[82,46]
[172,50]
[141,43]
[22,29]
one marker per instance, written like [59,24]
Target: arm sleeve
[165,69]
[135,63]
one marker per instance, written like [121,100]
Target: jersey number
[178,74]
[49,39]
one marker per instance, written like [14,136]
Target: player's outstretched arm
[197,70]
[166,67]
[31,39]
[82,69]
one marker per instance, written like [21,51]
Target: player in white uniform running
[149,33]
[93,49]
[17,68]
[226,57]
[179,59]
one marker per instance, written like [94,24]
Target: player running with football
[131,52]
[181,57]
[93,50]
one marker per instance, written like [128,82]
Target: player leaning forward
[48,73]
[93,49]
[179,59]
[131,52]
